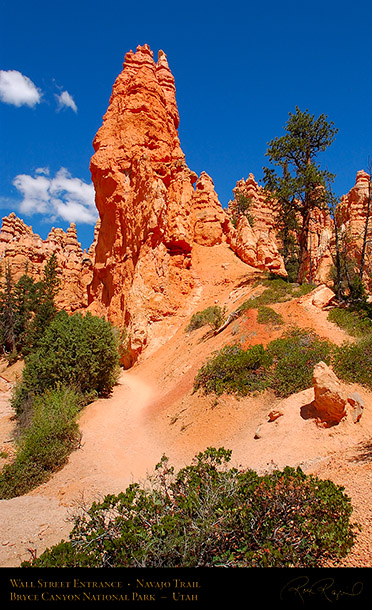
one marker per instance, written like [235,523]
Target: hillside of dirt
[153,410]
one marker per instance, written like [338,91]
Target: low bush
[234,370]
[277,290]
[267,315]
[213,316]
[209,515]
[80,351]
[354,322]
[285,366]
[45,444]
[294,356]
[352,362]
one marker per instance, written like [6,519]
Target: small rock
[329,398]
[356,402]
[323,297]
[273,415]
[257,434]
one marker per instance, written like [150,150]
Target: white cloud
[18,90]
[42,170]
[62,197]
[65,100]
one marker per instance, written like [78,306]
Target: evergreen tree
[7,314]
[46,308]
[26,304]
[301,186]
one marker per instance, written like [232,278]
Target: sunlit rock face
[256,242]
[26,252]
[150,212]
[352,216]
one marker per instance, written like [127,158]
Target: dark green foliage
[353,361]
[234,370]
[45,309]
[44,445]
[285,366]
[241,207]
[209,515]
[355,322]
[79,351]
[8,315]
[26,310]
[212,316]
[267,315]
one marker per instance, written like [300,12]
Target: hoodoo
[151,213]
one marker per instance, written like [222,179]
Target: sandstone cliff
[26,251]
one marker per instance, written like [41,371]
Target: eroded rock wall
[25,251]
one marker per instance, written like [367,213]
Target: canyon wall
[26,252]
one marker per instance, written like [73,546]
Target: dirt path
[116,448]
[153,410]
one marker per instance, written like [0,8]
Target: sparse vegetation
[267,315]
[294,356]
[353,361]
[277,290]
[285,366]
[209,515]
[212,316]
[45,444]
[241,206]
[356,323]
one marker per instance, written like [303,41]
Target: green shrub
[277,290]
[352,362]
[286,366]
[209,515]
[45,444]
[234,370]
[267,315]
[80,351]
[213,316]
[356,323]
[294,356]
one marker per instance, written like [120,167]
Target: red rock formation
[210,221]
[316,267]
[150,213]
[351,217]
[25,251]
[256,243]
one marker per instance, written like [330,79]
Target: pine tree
[301,185]
[46,309]
[7,314]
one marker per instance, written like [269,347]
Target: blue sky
[240,68]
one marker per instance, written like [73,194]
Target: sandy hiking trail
[115,450]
